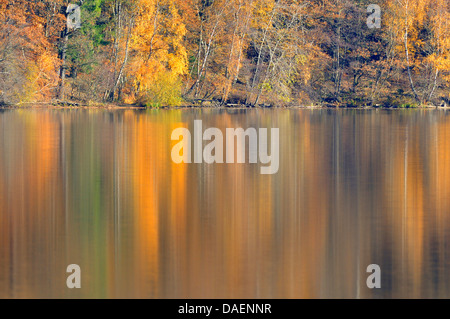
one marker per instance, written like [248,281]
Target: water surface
[98,188]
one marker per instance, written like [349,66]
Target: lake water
[99,189]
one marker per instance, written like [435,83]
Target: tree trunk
[125,61]
[411,82]
[65,39]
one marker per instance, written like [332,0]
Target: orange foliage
[28,60]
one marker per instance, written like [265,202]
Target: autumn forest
[157,53]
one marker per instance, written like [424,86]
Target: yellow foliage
[157,46]
[164,91]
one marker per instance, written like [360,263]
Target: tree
[28,61]
[158,52]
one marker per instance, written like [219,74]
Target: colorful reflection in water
[99,189]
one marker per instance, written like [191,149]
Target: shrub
[165,91]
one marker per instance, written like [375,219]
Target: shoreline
[112,106]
